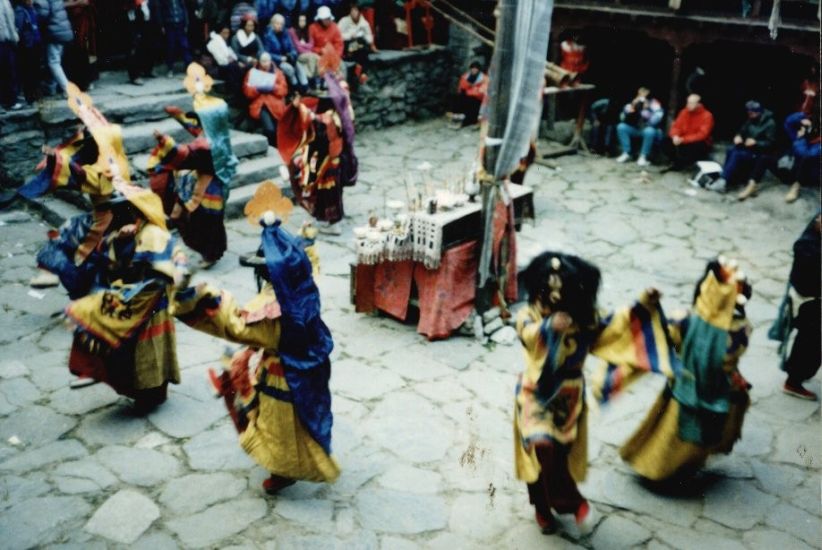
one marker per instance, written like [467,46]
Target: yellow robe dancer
[702,408]
[276,388]
[125,331]
[558,328]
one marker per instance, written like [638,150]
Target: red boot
[275,484]
[548,525]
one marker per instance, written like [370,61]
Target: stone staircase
[139,110]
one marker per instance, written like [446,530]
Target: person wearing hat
[750,154]
[324,31]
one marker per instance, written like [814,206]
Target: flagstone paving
[422,430]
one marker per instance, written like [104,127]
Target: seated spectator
[306,58]
[470,95]
[640,119]
[358,40]
[228,63]
[805,152]
[689,138]
[324,31]
[246,44]
[750,155]
[266,88]
[8,57]
[29,49]
[56,29]
[277,42]
[604,117]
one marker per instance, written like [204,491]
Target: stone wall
[404,85]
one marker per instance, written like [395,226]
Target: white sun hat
[323,12]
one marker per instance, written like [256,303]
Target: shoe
[78,383]
[749,191]
[275,484]
[642,161]
[624,157]
[206,264]
[170,74]
[548,525]
[44,279]
[793,193]
[137,81]
[17,106]
[584,518]
[798,391]
[719,185]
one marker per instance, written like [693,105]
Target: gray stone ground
[422,430]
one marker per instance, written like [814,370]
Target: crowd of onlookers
[756,147]
[43,40]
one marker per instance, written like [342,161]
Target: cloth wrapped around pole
[516,74]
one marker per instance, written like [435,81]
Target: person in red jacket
[324,31]
[689,138]
[266,99]
[470,94]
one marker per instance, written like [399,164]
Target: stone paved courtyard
[422,430]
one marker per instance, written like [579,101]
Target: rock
[123,517]
[411,480]
[12,368]
[625,492]
[14,489]
[192,493]
[35,425]
[493,326]
[182,416]
[155,541]
[111,426]
[310,513]
[68,401]
[395,512]
[396,543]
[218,522]
[143,467]
[217,449]
[763,538]
[792,520]
[478,515]
[362,382]
[619,532]
[40,520]
[506,336]
[490,315]
[86,471]
[19,392]
[48,454]
[776,479]
[677,537]
[737,504]
[800,445]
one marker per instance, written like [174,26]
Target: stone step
[254,171]
[138,138]
[245,145]
[121,109]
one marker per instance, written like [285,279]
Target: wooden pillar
[676,75]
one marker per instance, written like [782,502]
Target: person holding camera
[640,119]
[804,154]
[751,152]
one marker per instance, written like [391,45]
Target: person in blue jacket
[806,149]
[277,42]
